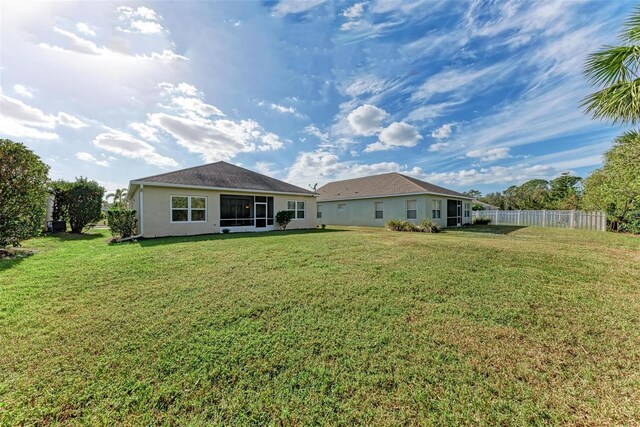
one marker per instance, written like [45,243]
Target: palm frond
[612,65]
[619,103]
[631,32]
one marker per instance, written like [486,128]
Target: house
[485,206]
[207,199]
[373,200]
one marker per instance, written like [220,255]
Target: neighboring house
[207,199]
[373,200]
[486,206]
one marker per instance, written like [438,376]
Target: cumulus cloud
[128,146]
[397,134]
[438,146]
[141,20]
[354,11]
[493,175]
[193,107]
[443,132]
[313,130]
[285,110]
[22,90]
[180,88]
[266,168]
[87,157]
[21,120]
[145,131]
[366,120]
[490,155]
[85,29]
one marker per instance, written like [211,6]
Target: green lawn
[483,326]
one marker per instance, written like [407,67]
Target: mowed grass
[344,326]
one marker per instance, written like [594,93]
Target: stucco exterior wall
[361,212]
[157,211]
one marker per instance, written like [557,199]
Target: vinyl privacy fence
[558,219]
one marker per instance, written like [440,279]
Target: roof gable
[388,184]
[223,175]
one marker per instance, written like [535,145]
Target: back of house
[373,200]
[214,197]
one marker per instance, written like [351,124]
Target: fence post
[544,217]
[572,220]
[519,217]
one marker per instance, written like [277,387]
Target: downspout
[141,210]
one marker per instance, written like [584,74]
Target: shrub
[400,225]
[481,221]
[429,226]
[225,231]
[23,193]
[122,222]
[283,218]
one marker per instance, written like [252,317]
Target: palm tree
[615,71]
[119,196]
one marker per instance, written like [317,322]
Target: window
[412,213]
[436,213]
[378,208]
[467,208]
[319,212]
[297,208]
[342,206]
[188,209]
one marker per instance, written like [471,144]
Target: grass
[481,326]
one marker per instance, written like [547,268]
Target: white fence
[557,219]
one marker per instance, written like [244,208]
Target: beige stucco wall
[157,212]
[362,212]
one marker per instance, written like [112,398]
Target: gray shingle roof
[224,175]
[388,184]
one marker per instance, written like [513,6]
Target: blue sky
[464,94]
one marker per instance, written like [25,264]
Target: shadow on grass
[15,258]
[156,241]
[489,229]
[67,236]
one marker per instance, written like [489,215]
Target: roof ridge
[179,170]
[364,177]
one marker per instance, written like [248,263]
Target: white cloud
[285,110]
[443,132]
[217,139]
[193,107]
[432,111]
[438,146]
[22,90]
[142,20]
[85,29]
[366,119]
[70,121]
[86,157]
[266,168]
[21,120]
[145,131]
[313,130]
[397,134]
[126,145]
[490,155]
[183,88]
[289,7]
[515,174]
[354,11]
[363,85]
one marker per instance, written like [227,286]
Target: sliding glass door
[246,211]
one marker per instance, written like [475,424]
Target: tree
[565,192]
[23,192]
[283,218]
[615,70]
[615,188]
[119,197]
[495,199]
[473,193]
[533,194]
[79,201]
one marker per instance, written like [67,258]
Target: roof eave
[380,196]
[204,187]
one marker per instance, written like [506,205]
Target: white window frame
[407,209]
[189,209]
[343,208]
[296,210]
[436,207]
[467,209]
[376,210]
